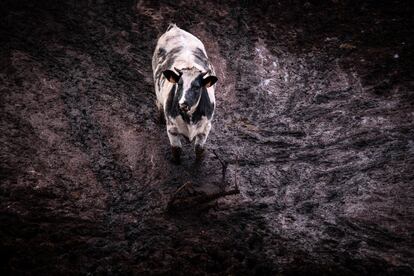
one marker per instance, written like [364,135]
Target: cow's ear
[171,76]
[209,81]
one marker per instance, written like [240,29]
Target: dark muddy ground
[315,120]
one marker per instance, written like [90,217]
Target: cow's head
[190,83]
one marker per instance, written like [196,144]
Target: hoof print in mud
[176,154]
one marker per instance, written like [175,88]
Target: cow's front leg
[199,146]
[200,140]
[175,143]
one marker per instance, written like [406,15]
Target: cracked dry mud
[315,117]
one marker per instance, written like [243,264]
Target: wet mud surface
[314,121]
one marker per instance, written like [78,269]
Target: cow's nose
[184,106]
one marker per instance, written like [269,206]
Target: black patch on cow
[201,58]
[171,106]
[162,53]
[193,94]
[205,107]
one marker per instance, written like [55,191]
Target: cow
[184,82]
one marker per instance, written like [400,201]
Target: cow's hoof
[176,154]
[199,151]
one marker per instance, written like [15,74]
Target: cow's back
[179,48]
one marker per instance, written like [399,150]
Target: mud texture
[314,121]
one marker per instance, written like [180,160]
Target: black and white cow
[184,85]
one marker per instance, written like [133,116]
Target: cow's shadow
[198,184]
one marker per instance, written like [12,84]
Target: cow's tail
[171,25]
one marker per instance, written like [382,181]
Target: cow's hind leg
[175,143]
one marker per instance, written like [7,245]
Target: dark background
[315,117]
